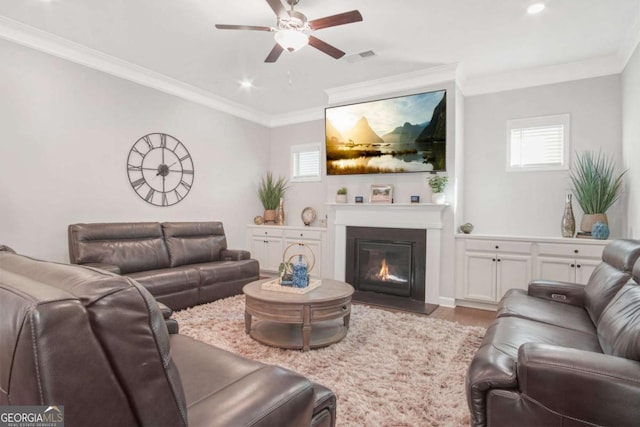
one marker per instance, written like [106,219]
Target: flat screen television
[394,135]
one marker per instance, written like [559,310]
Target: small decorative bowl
[258,220]
[466,228]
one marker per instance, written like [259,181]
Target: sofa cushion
[619,327]
[516,302]
[130,246]
[194,242]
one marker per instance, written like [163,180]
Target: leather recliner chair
[97,344]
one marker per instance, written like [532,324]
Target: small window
[538,143]
[305,163]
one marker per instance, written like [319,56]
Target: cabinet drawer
[499,246]
[330,311]
[267,232]
[303,234]
[571,250]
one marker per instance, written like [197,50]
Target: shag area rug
[392,369]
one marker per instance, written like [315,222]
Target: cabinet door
[312,249]
[480,276]
[513,271]
[584,268]
[559,269]
[268,252]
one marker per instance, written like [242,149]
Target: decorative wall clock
[160,169]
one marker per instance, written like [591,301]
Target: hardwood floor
[465,315]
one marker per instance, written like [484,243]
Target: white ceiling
[177,39]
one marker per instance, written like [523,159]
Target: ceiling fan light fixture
[291,40]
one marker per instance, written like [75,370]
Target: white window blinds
[540,143]
[305,163]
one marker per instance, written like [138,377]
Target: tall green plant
[270,190]
[593,182]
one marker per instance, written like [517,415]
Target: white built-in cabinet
[267,244]
[488,266]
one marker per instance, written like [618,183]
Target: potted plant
[438,184]
[595,186]
[341,195]
[270,191]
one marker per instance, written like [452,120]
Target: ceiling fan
[292,30]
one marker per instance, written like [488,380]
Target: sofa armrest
[579,384]
[234,254]
[172,324]
[102,266]
[563,292]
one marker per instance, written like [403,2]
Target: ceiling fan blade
[278,8]
[325,47]
[243,27]
[274,54]
[333,20]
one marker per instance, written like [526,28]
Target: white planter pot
[341,198]
[438,198]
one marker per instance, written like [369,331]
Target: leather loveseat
[182,264]
[564,354]
[96,344]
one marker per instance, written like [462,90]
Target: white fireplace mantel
[422,216]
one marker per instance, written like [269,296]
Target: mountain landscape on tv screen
[396,147]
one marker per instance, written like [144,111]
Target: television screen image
[395,135]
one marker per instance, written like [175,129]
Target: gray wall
[631,140]
[532,203]
[66,134]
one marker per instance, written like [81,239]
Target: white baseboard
[447,302]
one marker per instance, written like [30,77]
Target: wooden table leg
[306,329]
[247,322]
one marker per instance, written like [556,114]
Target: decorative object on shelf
[466,228]
[438,183]
[270,191]
[258,220]
[359,199]
[600,231]
[381,193]
[568,224]
[415,199]
[281,212]
[288,269]
[341,195]
[595,186]
[160,169]
[308,216]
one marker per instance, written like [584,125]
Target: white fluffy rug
[392,369]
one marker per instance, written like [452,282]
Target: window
[305,163]
[538,143]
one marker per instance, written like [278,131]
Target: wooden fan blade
[278,8]
[333,20]
[325,47]
[274,54]
[243,27]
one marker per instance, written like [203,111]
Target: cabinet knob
[494,260]
[499,260]
[575,251]
[578,265]
[573,265]
[301,235]
[497,247]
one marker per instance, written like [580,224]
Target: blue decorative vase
[600,231]
[300,276]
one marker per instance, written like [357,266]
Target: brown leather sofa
[182,264]
[563,354]
[97,344]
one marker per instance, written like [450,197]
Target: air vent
[360,56]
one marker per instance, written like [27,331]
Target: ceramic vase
[600,231]
[269,216]
[341,198]
[438,198]
[568,220]
[589,219]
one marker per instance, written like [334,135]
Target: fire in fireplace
[386,261]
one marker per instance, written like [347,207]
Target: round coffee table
[314,319]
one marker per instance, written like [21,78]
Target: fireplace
[387,265]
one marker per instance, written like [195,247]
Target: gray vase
[568,221]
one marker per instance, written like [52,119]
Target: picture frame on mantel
[381,193]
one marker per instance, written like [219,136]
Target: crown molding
[631,41]
[397,83]
[530,77]
[43,41]
[285,119]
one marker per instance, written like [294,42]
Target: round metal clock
[160,169]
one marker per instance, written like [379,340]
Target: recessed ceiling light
[535,8]
[246,84]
